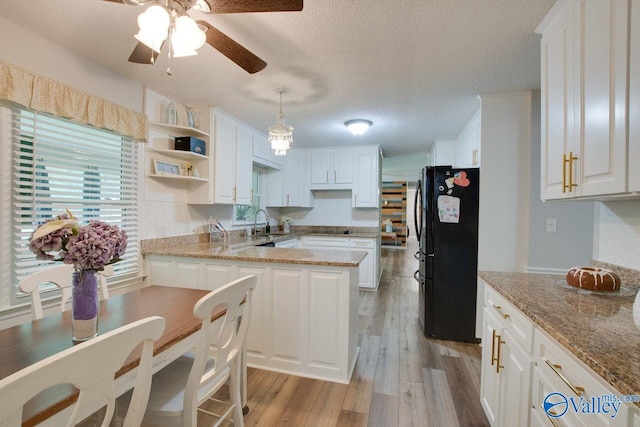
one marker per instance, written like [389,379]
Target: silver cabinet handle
[415,276]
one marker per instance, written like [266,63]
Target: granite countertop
[245,249]
[598,329]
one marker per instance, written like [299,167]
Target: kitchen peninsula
[304,319]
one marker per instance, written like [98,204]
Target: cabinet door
[366,187]
[261,147]
[557,67]
[489,378]
[343,166]
[321,167]
[287,325]
[225,165]
[516,382]
[325,312]
[634,98]
[602,59]
[366,273]
[244,166]
[296,188]
[293,178]
[367,268]
[258,333]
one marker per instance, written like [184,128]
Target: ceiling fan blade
[142,54]
[247,6]
[233,50]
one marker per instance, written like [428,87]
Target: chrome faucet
[255,220]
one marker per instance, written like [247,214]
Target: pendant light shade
[281,134]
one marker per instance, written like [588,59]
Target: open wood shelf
[394,207]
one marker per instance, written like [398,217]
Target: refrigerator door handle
[417,210]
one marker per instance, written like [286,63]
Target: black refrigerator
[446,222]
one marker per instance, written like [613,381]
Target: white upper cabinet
[468,144]
[585,64]
[602,62]
[244,166]
[331,168]
[263,154]
[634,98]
[442,153]
[232,160]
[261,148]
[366,187]
[557,64]
[290,186]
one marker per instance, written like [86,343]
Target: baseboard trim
[545,270]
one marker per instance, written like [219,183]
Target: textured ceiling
[413,67]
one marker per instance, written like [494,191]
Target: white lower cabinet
[368,269]
[304,318]
[506,368]
[523,367]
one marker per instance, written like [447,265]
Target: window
[244,214]
[57,164]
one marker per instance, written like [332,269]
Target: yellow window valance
[49,96]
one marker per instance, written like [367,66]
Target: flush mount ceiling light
[280,135]
[358,126]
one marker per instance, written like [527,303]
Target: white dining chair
[61,276]
[90,367]
[179,389]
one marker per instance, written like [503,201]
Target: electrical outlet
[550,225]
[160,230]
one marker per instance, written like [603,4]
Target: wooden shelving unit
[394,207]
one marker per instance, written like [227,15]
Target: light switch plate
[550,225]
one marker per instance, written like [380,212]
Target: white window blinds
[58,164]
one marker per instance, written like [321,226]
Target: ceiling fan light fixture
[281,134]
[154,25]
[189,34]
[358,126]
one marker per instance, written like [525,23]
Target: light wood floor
[400,379]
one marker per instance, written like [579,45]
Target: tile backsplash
[617,233]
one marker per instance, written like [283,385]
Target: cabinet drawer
[332,242]
[541,388]
[363,243]
[512,319]
[572,378]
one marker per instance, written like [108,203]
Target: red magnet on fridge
[460,178]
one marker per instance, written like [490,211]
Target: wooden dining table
[25,344]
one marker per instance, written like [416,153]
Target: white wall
[35,53]
[571,244]
[333,208]
[617,233]
[503,237]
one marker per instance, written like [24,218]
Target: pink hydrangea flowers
[87,247]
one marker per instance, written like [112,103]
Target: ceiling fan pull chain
[170,50]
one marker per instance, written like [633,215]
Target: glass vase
[84,305]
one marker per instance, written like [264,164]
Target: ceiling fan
[146,52]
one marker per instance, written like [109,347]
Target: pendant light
[280,135]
